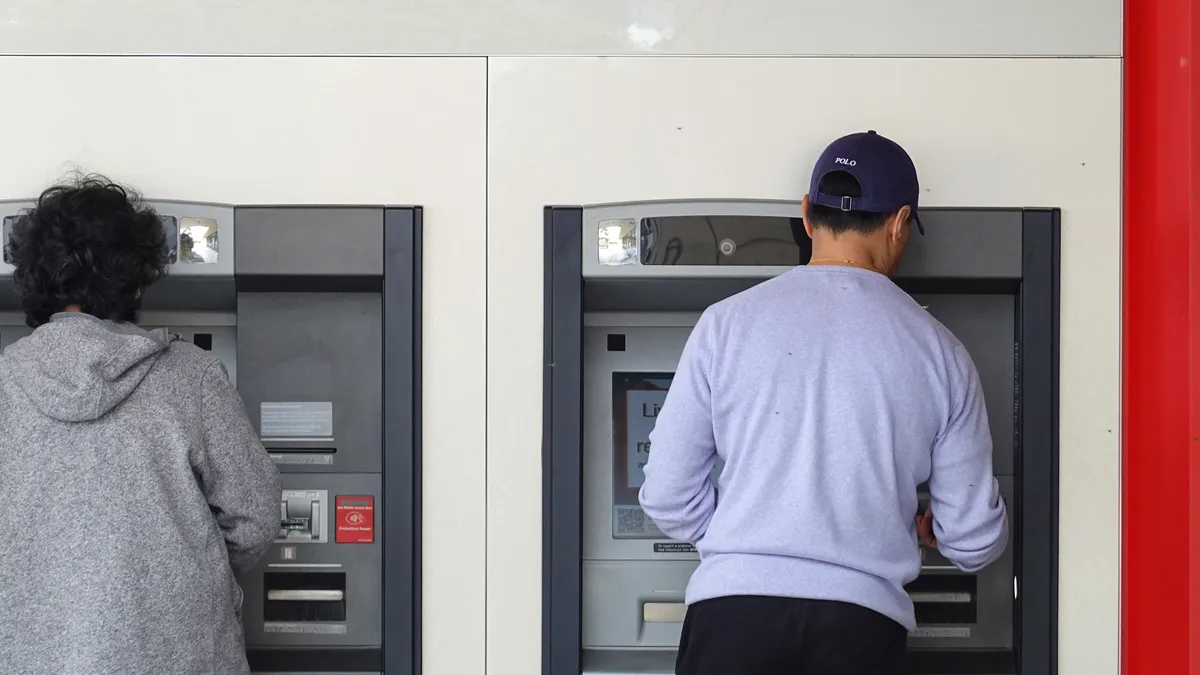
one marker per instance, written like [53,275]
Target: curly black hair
[89,243]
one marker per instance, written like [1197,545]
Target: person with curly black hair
[135,487]
[87,247]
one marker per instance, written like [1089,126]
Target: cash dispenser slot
[940,599]
[292,597]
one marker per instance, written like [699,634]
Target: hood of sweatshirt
[77,368]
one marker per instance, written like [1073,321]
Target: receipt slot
[626,283]
[315,312]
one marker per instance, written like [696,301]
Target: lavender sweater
[830,394]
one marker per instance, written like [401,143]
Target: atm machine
[625,284]
[315,311]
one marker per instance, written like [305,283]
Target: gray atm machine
[624,285]
[316,312]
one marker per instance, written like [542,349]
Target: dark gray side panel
[402,441]
[309,241]
[562,442]
[1037,382]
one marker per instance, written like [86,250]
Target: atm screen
[9,223]
[724,240]
[198,241]
[171,229]
[169,224]
[637,398]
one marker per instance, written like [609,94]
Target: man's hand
[925,529]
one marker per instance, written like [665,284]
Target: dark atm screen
[169,224]
[170,227]
[724,240]
[9,223]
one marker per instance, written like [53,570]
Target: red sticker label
[355,523]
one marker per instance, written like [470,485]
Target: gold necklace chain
[843,261]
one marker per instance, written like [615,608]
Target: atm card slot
[302,525]
[302,516]
[313,445]
[293,597]
[944,598]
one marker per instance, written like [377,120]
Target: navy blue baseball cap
[883,169]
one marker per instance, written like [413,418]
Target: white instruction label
[305,628]
[296,420]
[941,632]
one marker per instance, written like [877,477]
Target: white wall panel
[983,132]
[324,131]
[808,27]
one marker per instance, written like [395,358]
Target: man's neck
[847,251]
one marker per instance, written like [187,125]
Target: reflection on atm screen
[740,241]
[171,230]
[637,398]
[198,241]
[9,223]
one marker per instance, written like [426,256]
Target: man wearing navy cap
[830,394]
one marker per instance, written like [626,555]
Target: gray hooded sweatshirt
[132,490]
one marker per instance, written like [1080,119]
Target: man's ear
[898,222]
[804,204]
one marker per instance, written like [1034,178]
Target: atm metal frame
[1034,517]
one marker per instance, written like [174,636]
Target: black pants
[752,635]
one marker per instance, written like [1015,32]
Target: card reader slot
[300,517]
[294,597]
[944,598]
[315,445]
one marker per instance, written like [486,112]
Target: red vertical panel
[1193,339]
[1192,442]
[1161,541]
